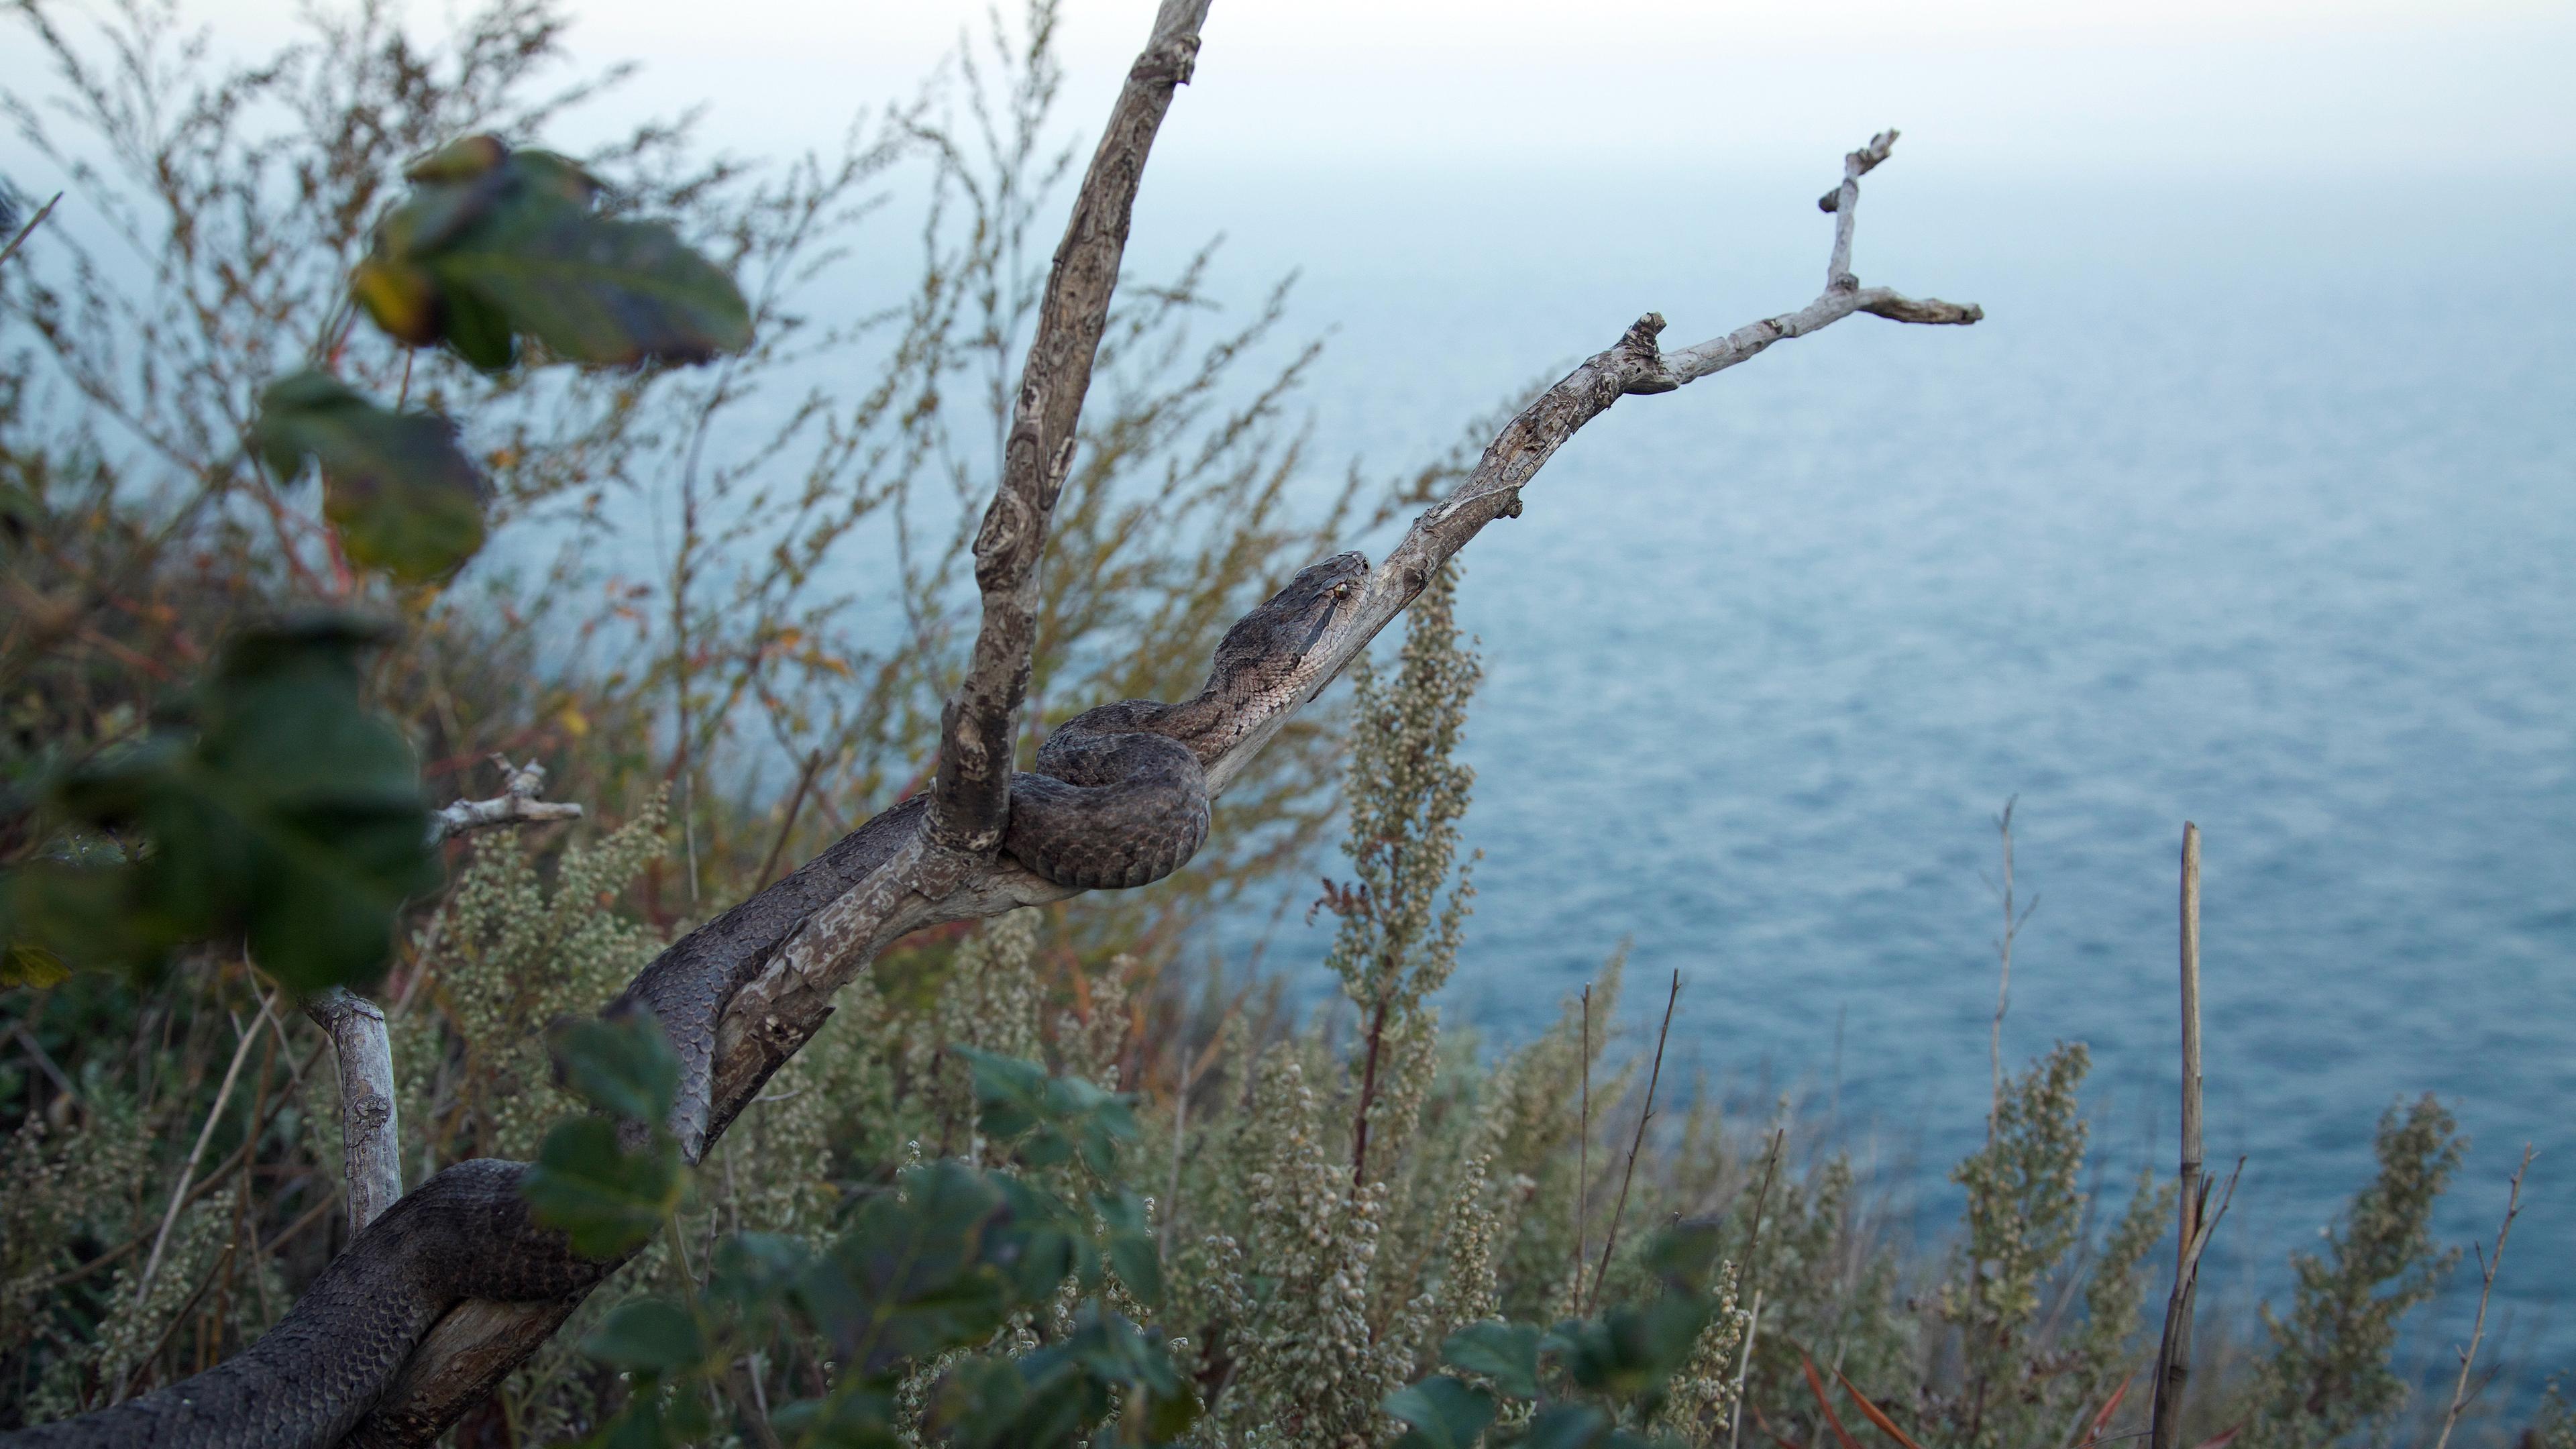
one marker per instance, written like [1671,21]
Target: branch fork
[517,804]
[936,859]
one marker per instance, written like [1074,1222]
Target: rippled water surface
[2248,506]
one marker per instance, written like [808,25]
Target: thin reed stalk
[2487,1267]
[1610,1242]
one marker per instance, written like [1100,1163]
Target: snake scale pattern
[1120,798]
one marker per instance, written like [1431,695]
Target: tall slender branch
[1610,1240]
[188,1169]
[2173,1354]
[2487,1267]
[971,799]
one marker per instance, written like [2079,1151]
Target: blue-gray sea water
[2252,503]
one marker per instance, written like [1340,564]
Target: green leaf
[909,1279]
[1566,1426]
[1039,1242]
[1049,1120]
[404,497]
[1686,1257]
[28,963]
[1128,1237]
[1630,1350]
[289,816]
[1138,1261]
[650,1336]
[610,293]
[1444,1413]
[847,1420]
[605,1200]
[1507,1353]
[758,1270]
[493,242]
[622,1065]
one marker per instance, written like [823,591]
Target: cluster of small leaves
[2024,1212]
[276,809]
[1586,1383]
[2328,1374]
[510,952]
[930,1275]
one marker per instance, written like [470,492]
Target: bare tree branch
[940,874]
[370,1130]
[370,1135]
[517,804]
[971,798]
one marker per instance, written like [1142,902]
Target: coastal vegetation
[1138,1193]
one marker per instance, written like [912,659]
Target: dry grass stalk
[2487,1267]
[1610,1242]
[1753,1257]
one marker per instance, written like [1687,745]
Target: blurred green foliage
[273,807]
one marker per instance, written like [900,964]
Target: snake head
[1267,643]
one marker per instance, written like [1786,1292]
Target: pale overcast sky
[2254,87]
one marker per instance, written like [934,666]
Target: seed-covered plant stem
[1583,1150]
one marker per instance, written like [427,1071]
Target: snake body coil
[1120,798]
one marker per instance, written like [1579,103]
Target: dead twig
[787,822]
[1753,1271]
[517,804]
[2487,1267]
[1611,1241]
[179,1193]
[2173,1352]
[28,230]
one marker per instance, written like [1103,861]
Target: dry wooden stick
[2486,1286]
[29,229]
[1611,1241]
[1583,1150]
[787,822]
[2173,1354]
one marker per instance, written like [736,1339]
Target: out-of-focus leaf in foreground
[494,244]
[403,495]
[283,813]
[606,1194]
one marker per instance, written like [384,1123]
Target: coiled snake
[1120,798]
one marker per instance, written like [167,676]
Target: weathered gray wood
[370,1134]
[2173,1353]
